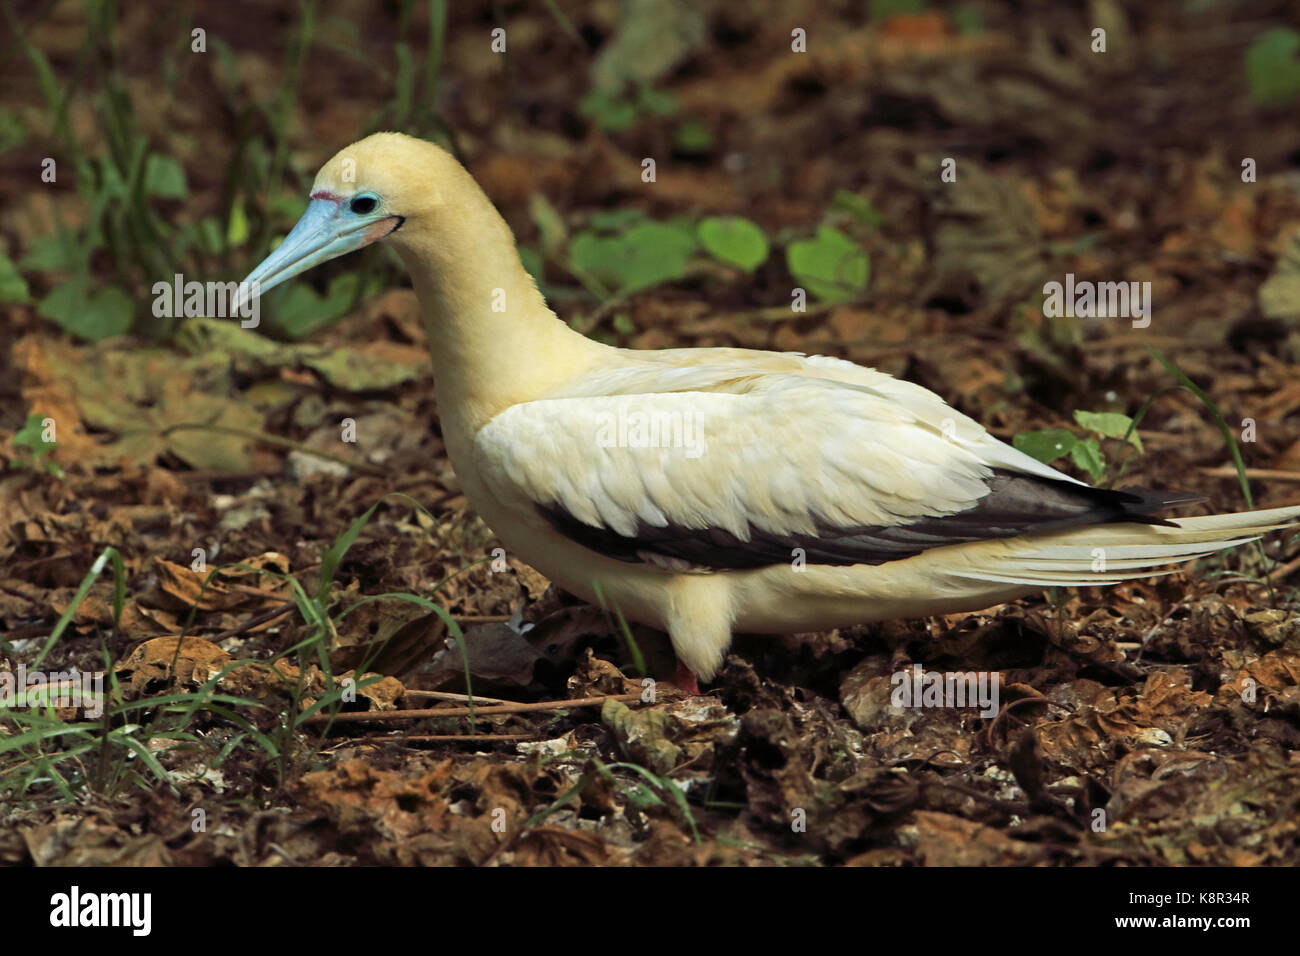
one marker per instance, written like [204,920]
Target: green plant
[734,240]
[122,184]
[131,189]
[1229,440]
[692,136]
[623,630]
[880,9]
[830,265]
[130,738]
[13,287]
[1051,444]
[859,207]
[32,437]
[1272,63]
[967,18]
[615,112]
[632,259]
[655,791]
[13,132]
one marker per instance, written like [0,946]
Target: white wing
[725,466]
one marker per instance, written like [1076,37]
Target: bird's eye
[363,204]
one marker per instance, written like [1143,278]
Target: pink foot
[686,680]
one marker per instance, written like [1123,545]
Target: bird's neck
[494,341]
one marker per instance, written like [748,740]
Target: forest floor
[1156,722]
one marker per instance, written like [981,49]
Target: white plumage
[705,491]
[738,446]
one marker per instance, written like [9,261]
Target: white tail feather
[1111,553]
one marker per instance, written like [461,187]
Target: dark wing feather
[1016,504]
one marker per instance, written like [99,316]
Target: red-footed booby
[704,491]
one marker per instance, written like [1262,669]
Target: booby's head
[369,191]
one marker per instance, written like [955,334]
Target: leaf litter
[1153,723]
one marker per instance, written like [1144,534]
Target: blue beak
[324,232]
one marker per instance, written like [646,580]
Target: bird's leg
[698,620]
[685,679]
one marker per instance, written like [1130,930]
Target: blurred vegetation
[135,234]
[132,191]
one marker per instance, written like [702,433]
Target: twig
[541,705]
[227,475]
[249,590]
[1264,474]
[461,738]
[433,738]
[1284,572]
[458,698]
[1161,341]
[257,621]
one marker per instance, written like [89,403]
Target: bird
[709,491]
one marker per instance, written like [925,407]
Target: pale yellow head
[493,338]
[388,186]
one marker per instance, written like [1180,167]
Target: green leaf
[609,112]
[1046,445]
[533,263]
[45,77]
[164,176]
[237,227]
[56,252]
[329,561]
[301,312]
[365,371]
[734,240]
[692,136]
[550,224]
[32,437]
[91,314]
[12,131]
[832,266]
[643,797]
[285,206]
[967,18]
[1109,425]
[403,83]
[208,231]
[659,102]
[859,207]
[647,255]
[1229,438]
[652,37]
[13,287]
[613,220]
[1272,66]
[107,556]
[1086,453]
[880,9]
